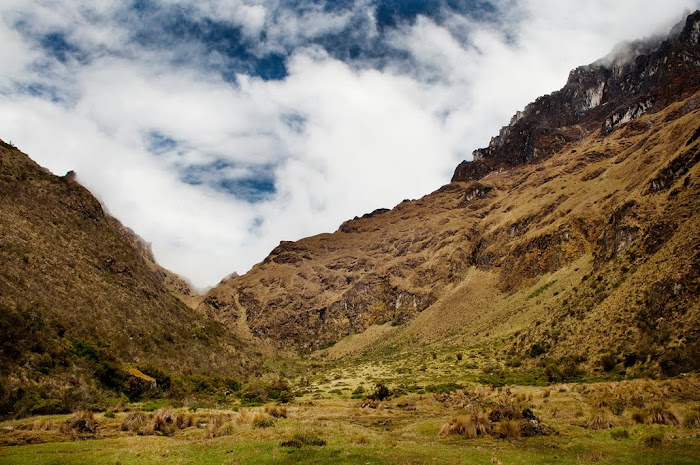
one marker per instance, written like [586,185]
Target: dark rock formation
[635,79]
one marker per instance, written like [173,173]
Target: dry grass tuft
[661,415]
[599,420]
[219,425]
[508,429]
[640,416]
[276,411]
[82,422]
[263,420]
[42,424]
[471,426]
[692,419]
[134,422]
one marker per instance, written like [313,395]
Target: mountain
[82,302]
[573,236]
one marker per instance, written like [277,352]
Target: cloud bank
[217,128]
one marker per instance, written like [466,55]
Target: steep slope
[593,184]
[80,303]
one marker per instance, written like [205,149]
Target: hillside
[82,302]
[572,237]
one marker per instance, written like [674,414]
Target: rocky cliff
[636,78]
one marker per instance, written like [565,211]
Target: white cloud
[338,141]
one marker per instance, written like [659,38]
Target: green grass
[599,448]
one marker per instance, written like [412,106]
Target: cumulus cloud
[183,136]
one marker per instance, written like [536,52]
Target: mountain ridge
[514,213]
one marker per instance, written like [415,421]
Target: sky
[217,128]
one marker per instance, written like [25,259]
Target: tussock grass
[470,426]
[661,415]
[599,420]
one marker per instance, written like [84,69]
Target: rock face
[636,78]
[601,172]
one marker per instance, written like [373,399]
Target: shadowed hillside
[82,302]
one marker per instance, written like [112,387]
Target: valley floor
[637,421]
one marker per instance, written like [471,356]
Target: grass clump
[619,434]
[300,440]
[470,426]
[661,415]
[640,416]
[692,419]
[508,429]
[219,425]
[262,420]
[82,422]
[276,411]
[653,440]
[599,420]
[134,422]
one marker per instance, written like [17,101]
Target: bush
[608,362]
[381,392]
[110,375]
[163,422]
[537,349]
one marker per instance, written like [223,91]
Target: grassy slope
[575,253]
[79,297]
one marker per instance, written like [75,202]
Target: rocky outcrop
[636,78]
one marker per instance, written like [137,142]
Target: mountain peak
[636,78]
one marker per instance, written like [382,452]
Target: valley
[542,307]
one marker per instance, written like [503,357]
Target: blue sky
[217,128]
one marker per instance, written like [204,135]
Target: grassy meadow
[338,418]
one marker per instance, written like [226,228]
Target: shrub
[537,349]
[620,434]
[504,411]
[109,415]
[218,425]
[183,420]
[608,362]
[381,392]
